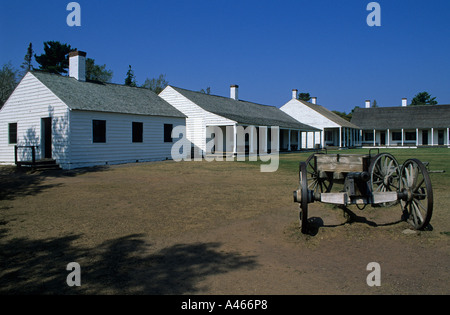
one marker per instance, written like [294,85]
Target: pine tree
[304,97]
[28,59]
[55,58]
[130,80]
[423,98]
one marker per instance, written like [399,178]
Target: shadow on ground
[122,266]
[19,182]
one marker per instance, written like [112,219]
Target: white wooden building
[229,113]
[404,126]
[333,130]
[81,124]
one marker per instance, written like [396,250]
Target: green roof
[106,97]
[243,112]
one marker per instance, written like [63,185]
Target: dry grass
[121,219]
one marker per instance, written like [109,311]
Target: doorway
[382,138]
[425,137]
[46,124]
[441,137]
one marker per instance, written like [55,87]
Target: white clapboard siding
[119,147]
[198,118]
[30,102]
[306,115]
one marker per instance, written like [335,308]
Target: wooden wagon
[366,179]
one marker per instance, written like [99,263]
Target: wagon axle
[376,180]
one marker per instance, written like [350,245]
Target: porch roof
[410,117]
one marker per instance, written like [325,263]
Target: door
[424,137]
[47,137]
[441,137]
[382,138]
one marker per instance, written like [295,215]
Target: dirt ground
[205,228]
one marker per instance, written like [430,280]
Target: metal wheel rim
[415,181]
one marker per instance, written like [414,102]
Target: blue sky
[323,47]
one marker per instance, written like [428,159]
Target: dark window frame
[168,133]
[12,134]
[98,131]
[368,136]
[137,132]
[410,136]
[397,136]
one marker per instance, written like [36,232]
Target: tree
[28,59]
[304,97]
[207,91]
[156,85]
[55,58]
[375,104]
[343,115]
[97,73]
[130,80]
[8,82]
[423,98]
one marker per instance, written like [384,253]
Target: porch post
[417,137]
[448,141]
[374,137]
[250,138]
[402,137]
[234,139]
[388,138]
[432,136]
[298,140]
[340,137]
[289,141]
[322,139]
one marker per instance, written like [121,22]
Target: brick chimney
[77,65]
[404,102]
[234,92]
[294,93]
[314,100]
[367,104]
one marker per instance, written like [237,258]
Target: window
[396,136]
[138,130]
[99,131]
[368,136]
[13,133]
[410,136]
[168,133]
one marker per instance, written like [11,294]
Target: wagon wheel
[415,184]
[317,182]
[303,181]
[384,175]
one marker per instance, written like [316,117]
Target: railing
[33,153]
